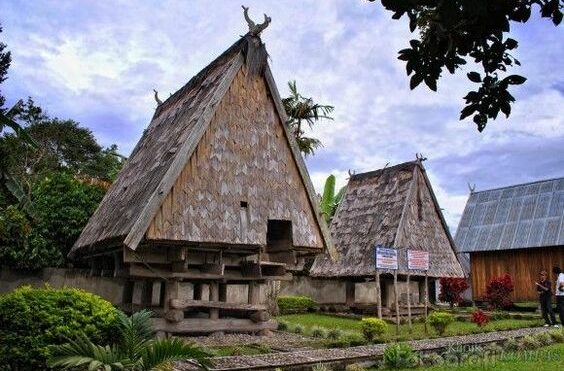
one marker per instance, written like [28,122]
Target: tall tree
[300,111]
[455,31]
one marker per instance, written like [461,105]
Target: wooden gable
[241,175]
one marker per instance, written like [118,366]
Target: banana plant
[329,200]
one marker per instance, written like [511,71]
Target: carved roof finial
[255,29]
[159,102]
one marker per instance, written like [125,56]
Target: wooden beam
[214,297]
[205,325]
[187,303]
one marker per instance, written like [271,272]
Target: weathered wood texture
[370,214]
[523,265]
[243,157]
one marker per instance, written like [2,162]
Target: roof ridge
[519,185]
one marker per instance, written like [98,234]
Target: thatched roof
[167,144]
[396,207]
[520,216]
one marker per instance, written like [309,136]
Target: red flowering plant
[498,292]
[451,290]
[480,318]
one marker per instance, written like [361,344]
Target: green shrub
[432,359]
[530,342]
[354,367]
[283,325]
[373,328]
[439,321]
[456,354]
[493,349]
[298,329]
[319,332]
[295,304]
[32,319]
[334,334]
[543,338]
[321,367]
[512,345]
[354,339]
[399,356]
[557,335]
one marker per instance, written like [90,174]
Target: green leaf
[474,77]
[415,81]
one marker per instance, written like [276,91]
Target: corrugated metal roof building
[517,230]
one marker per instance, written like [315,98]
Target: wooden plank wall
[242,158]
[523,265]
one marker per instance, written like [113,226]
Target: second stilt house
[215,195]
[393,207]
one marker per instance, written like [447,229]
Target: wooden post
[378,294]
[127,297]
[350,293]
[253,297]
[147,294]
[426,299]
[171,292]
[214,296]
[197,291]
[222,292]
[409,303]
[396,299]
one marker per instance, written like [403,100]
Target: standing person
[545,299]
[559,291]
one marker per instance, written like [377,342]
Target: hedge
[33,319]
[295,304]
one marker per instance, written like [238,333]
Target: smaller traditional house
[517,230]
[394,207]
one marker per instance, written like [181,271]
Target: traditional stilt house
[215,194]
[517,230]
[394,207]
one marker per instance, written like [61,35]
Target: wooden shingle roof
[520,216]
[395,207]
[167,144]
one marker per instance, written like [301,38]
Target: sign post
[417,260]
[387,258]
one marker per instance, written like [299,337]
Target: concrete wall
[325,291]
[109,288]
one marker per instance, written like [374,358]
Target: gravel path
[352,354]
[279,340]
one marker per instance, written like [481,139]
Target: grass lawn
[310,320]
[548,358]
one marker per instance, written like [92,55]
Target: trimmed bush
[373,328]
[334,334]
[400,355]
[319,332]
[480,318]
[298,329]
[439,321]
[32,319]
[295,304]
[498,292]
[451,290]
[283,325]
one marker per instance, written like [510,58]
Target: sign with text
[418,260]
[385,257]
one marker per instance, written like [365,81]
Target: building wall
[329,291]
[523,265]
[244,156]
[109,288]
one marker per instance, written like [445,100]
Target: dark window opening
[244,204]
[279,235]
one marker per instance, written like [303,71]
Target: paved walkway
[349,355]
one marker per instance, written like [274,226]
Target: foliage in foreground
[451,289]
[400,355]
[295,304]
[33,319]
[136,349]
[498,292]
[439,321]
[373,328]
[453,32]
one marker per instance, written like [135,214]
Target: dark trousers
[546,310]
[560,308]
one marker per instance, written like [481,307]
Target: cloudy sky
[98,61]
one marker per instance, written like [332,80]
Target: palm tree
[329,200]
[299,110]
[136,349]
